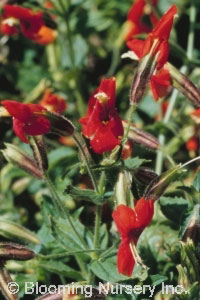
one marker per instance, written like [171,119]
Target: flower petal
[160,84]
[125,260]
[108,86]
[39,126]
[164,26]
[136,46]
[144,211]
[125,219]
[18,128]
[18,110]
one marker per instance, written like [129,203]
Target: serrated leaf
[85,194]
[107,270]
[58,267]
[157,279]
[174,208]
[133,163]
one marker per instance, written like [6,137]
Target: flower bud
[14,231]
[5,281]
[185,85]
[61,295]
[141,137]
[39,152]
[145,175]
[122,191]
[16,156]
[142,77]
[113,156]
[59,124]
[183,277]
[158,185]
[192,230]
[15,251]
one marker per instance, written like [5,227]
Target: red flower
[192,144]
[160,84]
[130,224]
[30,22]
[45,36]
[53,102]
[157,43]
[28,119]
[157,40]
[102,124]
[134,18]
[196,115]
[8,27]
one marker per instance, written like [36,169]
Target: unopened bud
[59,124]
[192,230]
[6,284]
[141,137]
[39,152]
[61,295]
[113,156]
[122,191]
[18,157]
[158,186]
[185,85]
[15,251]
[145,175]
[183,277]
[141,78]
[14,231]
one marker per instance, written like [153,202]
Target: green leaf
[58,267]
[157,279]
[133,163]
[65,234]
[107,270]
[196,183]
[86,194]
[60,154]
[174,208]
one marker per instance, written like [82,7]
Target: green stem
[61,210]
[90,172]
[190,47]
[130,120]
[114,61]
[101,188]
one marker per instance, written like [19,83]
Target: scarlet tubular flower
[31,23]
[134,18]
[53,102]
[157,44]
[28,119]
[130,224]
[102,124]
